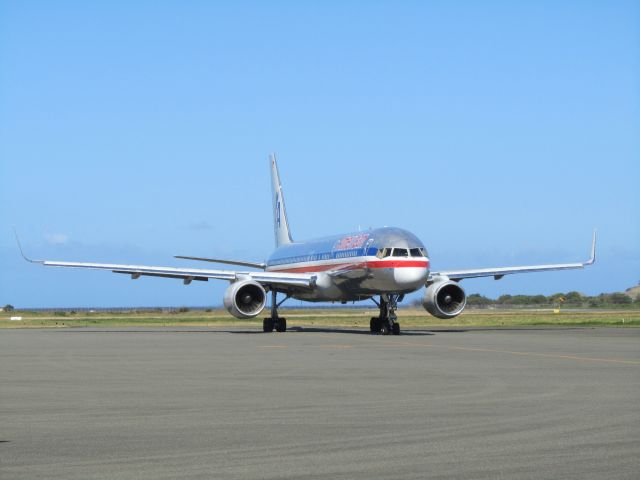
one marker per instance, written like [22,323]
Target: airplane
[386,263]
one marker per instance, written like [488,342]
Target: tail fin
[280,222]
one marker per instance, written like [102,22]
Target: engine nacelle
[444,299]
[245,299]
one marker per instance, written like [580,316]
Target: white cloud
[56,238]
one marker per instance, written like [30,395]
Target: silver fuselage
[357,265]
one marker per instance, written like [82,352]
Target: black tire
[384,328]
[395,329]
[267,325]
[281,325]
[374,325]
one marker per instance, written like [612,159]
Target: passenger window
[416,252]
[400,252]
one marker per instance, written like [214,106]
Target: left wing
[500,272]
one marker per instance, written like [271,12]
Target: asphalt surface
[207,403]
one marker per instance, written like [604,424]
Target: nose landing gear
[386,322]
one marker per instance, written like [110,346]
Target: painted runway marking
[523,354]
[327,345]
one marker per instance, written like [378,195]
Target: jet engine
[444,299]
[245,299]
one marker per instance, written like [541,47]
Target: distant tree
[8,308]
[504,299]
[619,299]
[518,300]
[539,300]
[573,297]
[478,300]
[557,298]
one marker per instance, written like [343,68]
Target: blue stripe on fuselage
[320,256]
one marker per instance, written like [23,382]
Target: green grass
[408,317]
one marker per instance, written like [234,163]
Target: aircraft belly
[358,279]
[360,284]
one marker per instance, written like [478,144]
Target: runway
[235,404]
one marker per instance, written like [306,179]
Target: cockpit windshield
[401,252]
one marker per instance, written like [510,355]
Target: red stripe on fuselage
[354,265]
[397,263]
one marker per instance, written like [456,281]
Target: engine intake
[444,299]
[245,299]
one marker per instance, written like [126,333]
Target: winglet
[592,260]
[15,232]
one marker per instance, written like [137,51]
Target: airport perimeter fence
[118,309]
[181,309]
[177,310]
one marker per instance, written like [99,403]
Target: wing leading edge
[500,272]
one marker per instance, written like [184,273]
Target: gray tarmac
[319,403]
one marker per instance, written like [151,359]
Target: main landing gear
[386,323]
[274,321]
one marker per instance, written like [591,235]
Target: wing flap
[137,275]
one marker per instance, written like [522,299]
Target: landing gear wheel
[281,325]
[386,321]
[375,324]
[274,321]
[267,325]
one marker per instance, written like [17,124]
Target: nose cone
[410,277]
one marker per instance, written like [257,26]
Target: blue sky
[501,133]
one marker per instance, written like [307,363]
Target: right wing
[282,281]
[275,279]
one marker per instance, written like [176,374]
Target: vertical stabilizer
[280,222]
